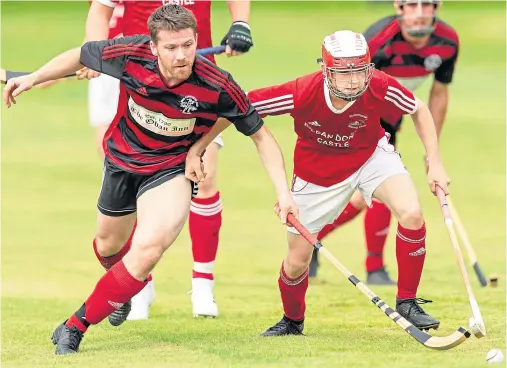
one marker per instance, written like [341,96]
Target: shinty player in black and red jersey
[205,219]
[410,46]
[170,99]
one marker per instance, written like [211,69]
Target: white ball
[494,356]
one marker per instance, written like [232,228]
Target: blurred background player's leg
[205,221]
[103,93]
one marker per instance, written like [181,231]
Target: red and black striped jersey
[392,54]
[155,124]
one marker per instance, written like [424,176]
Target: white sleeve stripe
[400,100]
[283,108]
[109,3]
[276,104]
[401,94]
[400,106]
[263,102]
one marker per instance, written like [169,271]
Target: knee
[411,218]
[149,247]
[297,261]
[148,253]
[208,187]
[108,244]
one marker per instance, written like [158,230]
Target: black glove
[238,38]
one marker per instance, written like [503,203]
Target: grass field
[51,178]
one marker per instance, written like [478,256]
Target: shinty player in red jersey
[341,147]
[410,46]
[170,98]
[205,218]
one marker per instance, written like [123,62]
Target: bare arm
[438,102]
[240,10]
[62,65]
[425,128]
[97,22]
[199,147]
[272,158]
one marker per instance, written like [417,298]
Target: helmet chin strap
[343,96]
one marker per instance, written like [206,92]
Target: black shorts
[391,129]
[121,189]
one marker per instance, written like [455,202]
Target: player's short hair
[170,17]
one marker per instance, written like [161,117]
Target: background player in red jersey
[205,218]
[169,99]
[410,46]
[341,148]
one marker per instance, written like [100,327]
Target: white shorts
[319,206]
[103,95]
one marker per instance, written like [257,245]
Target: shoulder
[309,82]
[211,75]
[446,31]
[379,26]
[379,83]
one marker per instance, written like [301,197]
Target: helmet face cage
[348,83]
[417,31]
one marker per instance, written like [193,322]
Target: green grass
[51,178]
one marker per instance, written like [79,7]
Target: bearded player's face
[176,53]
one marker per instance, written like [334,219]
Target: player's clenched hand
[16,86]
[284,206]
[194,167]
[238,39]
[438,176]
[86,73]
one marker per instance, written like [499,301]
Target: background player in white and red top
[205,218]
[411,46]
[341,147]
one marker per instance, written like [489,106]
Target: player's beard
[179,72]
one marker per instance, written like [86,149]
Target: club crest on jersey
[359,121]
[188,104]
[432,62]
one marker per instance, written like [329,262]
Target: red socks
[115,288]
[376,228]
[293,292]
[410,253]
[205,221]
[348,214]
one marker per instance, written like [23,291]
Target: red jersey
[136,16]
[116,22]
[333,144]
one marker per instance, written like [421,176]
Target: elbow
[260,135]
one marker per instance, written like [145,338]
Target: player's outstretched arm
[425,128]
[272,158]
[62,65]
